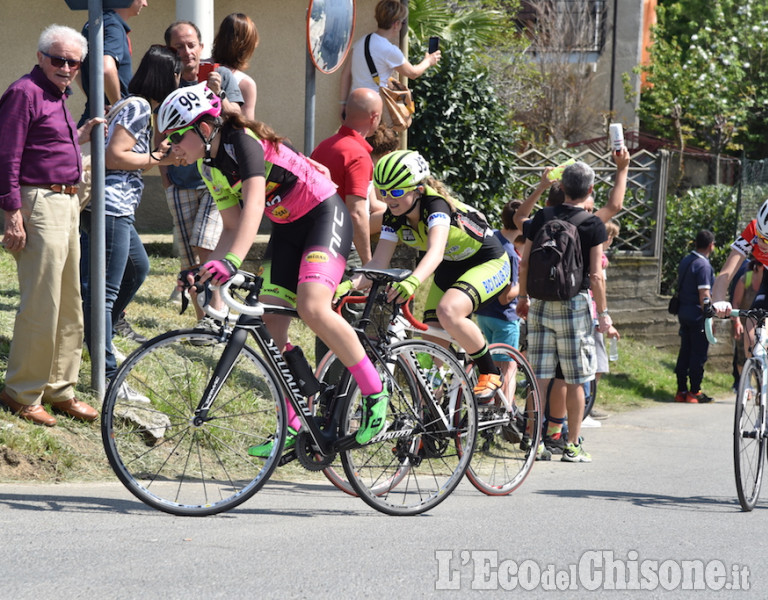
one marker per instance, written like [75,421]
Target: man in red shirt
[348,157]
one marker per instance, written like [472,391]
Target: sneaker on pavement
[588,422]
[575,454]
[374,416]
[555,444]
[541,452]
[698,398]
[681,396]
[487,384]
[598,414]
[123,329]
[127,393]
[265,449]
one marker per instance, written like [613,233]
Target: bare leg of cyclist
[313,302]
[453,312]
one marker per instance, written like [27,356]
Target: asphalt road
[656,508]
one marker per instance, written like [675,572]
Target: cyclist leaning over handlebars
[753,240]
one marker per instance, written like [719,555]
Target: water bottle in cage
[305,378]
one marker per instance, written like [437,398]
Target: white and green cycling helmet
[762,220]
[401,169]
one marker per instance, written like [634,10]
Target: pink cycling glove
[221,270]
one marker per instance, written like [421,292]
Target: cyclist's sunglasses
[60,61]
[175,137]
[761,237]
[396,193]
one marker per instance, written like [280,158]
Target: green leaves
[712,207]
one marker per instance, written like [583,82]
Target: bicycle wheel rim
[508,435]
[748,440]
[417,463]
[167,460]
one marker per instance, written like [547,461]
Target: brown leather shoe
[35,413]
[78,410]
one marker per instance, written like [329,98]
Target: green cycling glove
[343,289]
[406,287]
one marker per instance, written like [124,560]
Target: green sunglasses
[175,137]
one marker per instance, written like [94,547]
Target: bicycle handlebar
[708,329]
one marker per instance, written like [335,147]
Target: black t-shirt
[591,232]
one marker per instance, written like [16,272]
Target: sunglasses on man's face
[396,193]
[761,237]
[175,137]
[60,61]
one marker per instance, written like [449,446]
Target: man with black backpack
[561,258]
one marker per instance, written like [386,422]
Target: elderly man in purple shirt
[40,154]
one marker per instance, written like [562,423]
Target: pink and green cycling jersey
[293,185]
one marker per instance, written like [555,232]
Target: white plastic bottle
[616,131]
[613,349]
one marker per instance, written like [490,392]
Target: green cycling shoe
[265,449]
[374,416]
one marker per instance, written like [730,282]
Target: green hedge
[711,207]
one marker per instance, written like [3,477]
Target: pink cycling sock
[293,418]
[367,377]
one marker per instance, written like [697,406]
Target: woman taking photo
[128,154]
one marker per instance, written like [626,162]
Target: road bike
[750,424]
[509,426]
[200,400]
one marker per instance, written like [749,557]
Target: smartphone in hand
[434,44]
[204,70]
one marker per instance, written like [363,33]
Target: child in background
[497,318]
[612,228]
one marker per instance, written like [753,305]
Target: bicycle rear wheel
[432,423]
[748,438]
[508,433]
[167,459]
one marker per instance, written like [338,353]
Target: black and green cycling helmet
[400,170]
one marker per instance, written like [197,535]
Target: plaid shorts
[196,222]
[561,331]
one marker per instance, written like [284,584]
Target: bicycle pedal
[287,457]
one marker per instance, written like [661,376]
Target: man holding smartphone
[196,221]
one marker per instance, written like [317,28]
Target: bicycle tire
[335,473]
[749,435]
[418,462]
[165,459]
[504,453]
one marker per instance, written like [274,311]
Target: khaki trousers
[47,343]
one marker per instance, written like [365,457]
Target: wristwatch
[603,313]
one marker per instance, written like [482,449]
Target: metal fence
[753,189]
[642,216]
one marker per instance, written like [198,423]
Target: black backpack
[555,263]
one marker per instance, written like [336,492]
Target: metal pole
[97,236]
[309,107]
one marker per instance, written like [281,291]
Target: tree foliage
[706,83]
[462,126]
[711,207]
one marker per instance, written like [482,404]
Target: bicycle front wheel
[509,428]
[431,426]
[170,460]
[748,438]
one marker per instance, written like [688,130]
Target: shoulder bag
[397,98]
